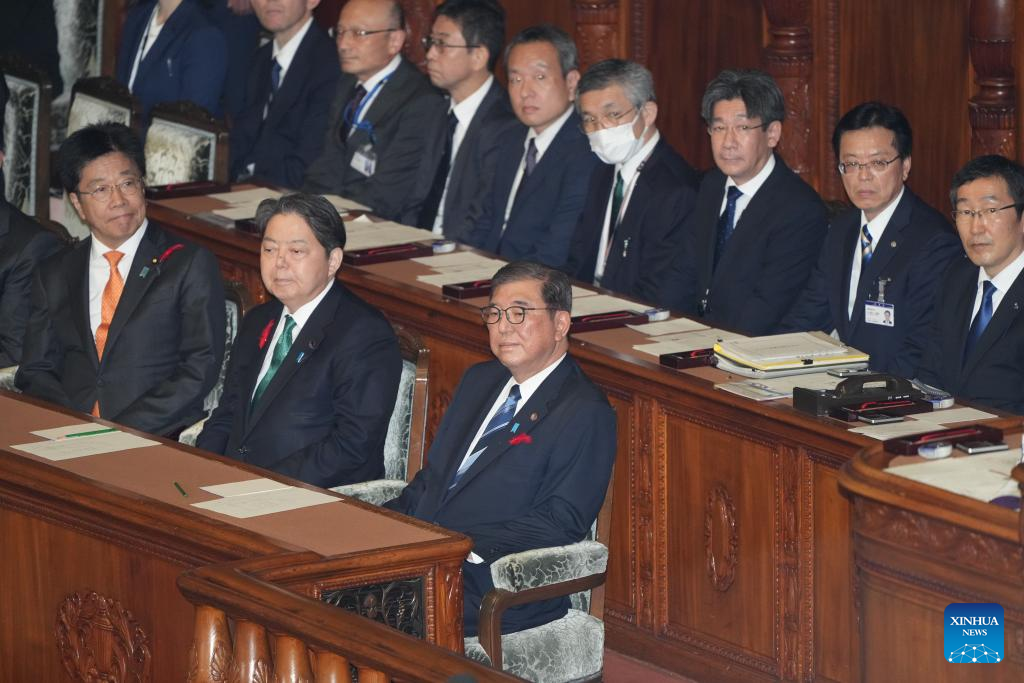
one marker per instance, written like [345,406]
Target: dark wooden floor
[622,669]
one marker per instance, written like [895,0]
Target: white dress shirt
[1003,281]
[749,189]
[542,141]
[464,111]
[99,271]
[371,84]
[284,54]
[876,226]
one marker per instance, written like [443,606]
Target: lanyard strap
[352,119]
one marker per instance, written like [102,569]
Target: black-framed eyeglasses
[514,314]
[876,166]
[589,124]
[360,33]
[130,187]
[441,45]
[742,130]
[964,215]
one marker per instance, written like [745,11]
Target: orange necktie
[111,295]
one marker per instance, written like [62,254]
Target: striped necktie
[866,250]
[284,343]
[500,420]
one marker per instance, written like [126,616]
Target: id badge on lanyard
[364,160]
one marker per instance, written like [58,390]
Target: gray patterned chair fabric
[546,566]
[80,46]
[22,132]
[569,649]
[7,378]
[176,153]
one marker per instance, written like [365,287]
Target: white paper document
[796,348]
[983,476]
[602,303]
[664,327]
[253,196]
[451,278]
[77,428]
[242,488]
[80,447]
[383,234]
[954,415]
[579,292]
[686,341]
[237,213]
[752,390]
[343,204]
[457,259]
[780,387]
[266,502]
[894,430]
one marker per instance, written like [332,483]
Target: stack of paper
[781,354]
[344,205]
[984,477]
[780,387]
[81,440]
[664,327]
[602,303]
[256,497]
[686,341]
[242,204]
[367,235]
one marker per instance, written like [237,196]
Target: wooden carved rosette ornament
[100,642]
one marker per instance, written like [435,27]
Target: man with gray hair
[631,232]
[313,374]
[758,228]
[541,177]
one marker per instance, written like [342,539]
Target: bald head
[382,22]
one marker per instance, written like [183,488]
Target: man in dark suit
[462,48]
[128,324]
[631,232]
[291,82]
[877,273]
[382,114]
[313,375]
[523,455]
[758,228]
[976,348]
[542,173]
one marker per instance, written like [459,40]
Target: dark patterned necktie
[981,320]
[348,119]
[727,221]
[500,420]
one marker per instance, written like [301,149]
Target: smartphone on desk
[879,418]
[975,447]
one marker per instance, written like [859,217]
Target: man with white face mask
[631,228]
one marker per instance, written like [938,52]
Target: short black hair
[555,287]
[759,92]
[482,22]
[318,213]
[568,57]
[990,166]
[87,144]
[876,114]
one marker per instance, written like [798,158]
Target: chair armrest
[7,378]
[189,434]
[375,492]
[532,575]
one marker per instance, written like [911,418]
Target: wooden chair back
[414,351]
[185,143]
[26,123]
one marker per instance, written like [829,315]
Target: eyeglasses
[429,42]
[875,167]
[717,130]
[514,314]
[102,194]
[589,124]
[965,215]
[360,33]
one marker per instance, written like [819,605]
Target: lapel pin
[893,244]
[155,260]
[515,428]
[298,359]
[1016,306]
[144,272]
[534,417]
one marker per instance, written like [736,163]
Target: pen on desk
[95,431]
[180,490]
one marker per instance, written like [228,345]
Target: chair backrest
[26,123]
[85,34]
[600,530]
[403,448]
[185,143]
[236,303]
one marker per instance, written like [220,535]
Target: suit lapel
[78,295]
[389,97]
[293,81]
[552,158]
[850,239]
[708,216]
[141,275]
[461,160]
[1005,315]
[892,237]
[172,27]
[257,364]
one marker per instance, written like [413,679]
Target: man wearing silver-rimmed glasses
[129,324]
[523,455]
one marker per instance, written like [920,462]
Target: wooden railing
[250,631]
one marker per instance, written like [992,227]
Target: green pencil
[180,490]
[95,431]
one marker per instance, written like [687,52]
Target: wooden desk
[730,555]
[918,549]
[92,548]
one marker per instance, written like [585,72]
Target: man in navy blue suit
[313,374]
[462,49]
[541,179]
[281,127]
[631,232]
[877,274]
[758,228]
[976,347]
[524,453]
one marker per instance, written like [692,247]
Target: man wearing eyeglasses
[541,178]
[458,172]
[129,323]
[757,228]
[876,277]
[381,117]
[631,231]
[976,347]
[291,81]
[523,455]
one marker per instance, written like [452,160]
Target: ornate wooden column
[788,57]
[993,109]
[599,33]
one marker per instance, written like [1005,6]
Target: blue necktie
[727,221]
[981,320]
[866,250]
[497,423]
[275,81]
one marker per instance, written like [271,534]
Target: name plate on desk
[606,321]
[467,290]
[193,189]
[395,252]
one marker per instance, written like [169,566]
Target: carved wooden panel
[597,30]
[721,538]
[99,640]
[399,604]
[993,108]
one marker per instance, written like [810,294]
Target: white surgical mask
[616,145]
